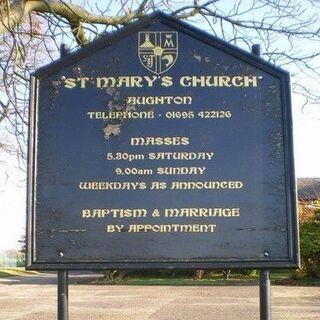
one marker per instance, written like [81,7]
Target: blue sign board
[160,146]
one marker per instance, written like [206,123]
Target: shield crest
[158,50]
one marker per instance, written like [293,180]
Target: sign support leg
[265,297]
[63,295]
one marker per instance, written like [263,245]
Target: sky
[12,207]
[306,132]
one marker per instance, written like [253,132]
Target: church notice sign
[159,146]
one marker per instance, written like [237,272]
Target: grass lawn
[10,272]
[277,278]
[216,280]
[179,282]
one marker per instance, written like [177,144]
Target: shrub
[310,245]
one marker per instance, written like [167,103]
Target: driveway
[34,298]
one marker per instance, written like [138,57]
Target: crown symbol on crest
[158,50]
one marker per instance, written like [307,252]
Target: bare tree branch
[12,15]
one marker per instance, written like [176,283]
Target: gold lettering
[70,83]
[86,213]
[158,185]
[111,228]
[224,81]
[115,185]
[104,115]
[166,81]
[169,228]
[144,141]
[180,170]
[83,82]
[250,80]
[199,185]
[237,81]
[150,80]
[157,100]
[185,81]
[105,82]
[202,212]
[219,81]
[114,213]
[180,155]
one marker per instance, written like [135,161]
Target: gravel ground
[34,298]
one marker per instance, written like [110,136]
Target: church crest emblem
[158,50]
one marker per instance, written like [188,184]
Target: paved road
[34,298]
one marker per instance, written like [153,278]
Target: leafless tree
[31,32]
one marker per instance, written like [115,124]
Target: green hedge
[310,245]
